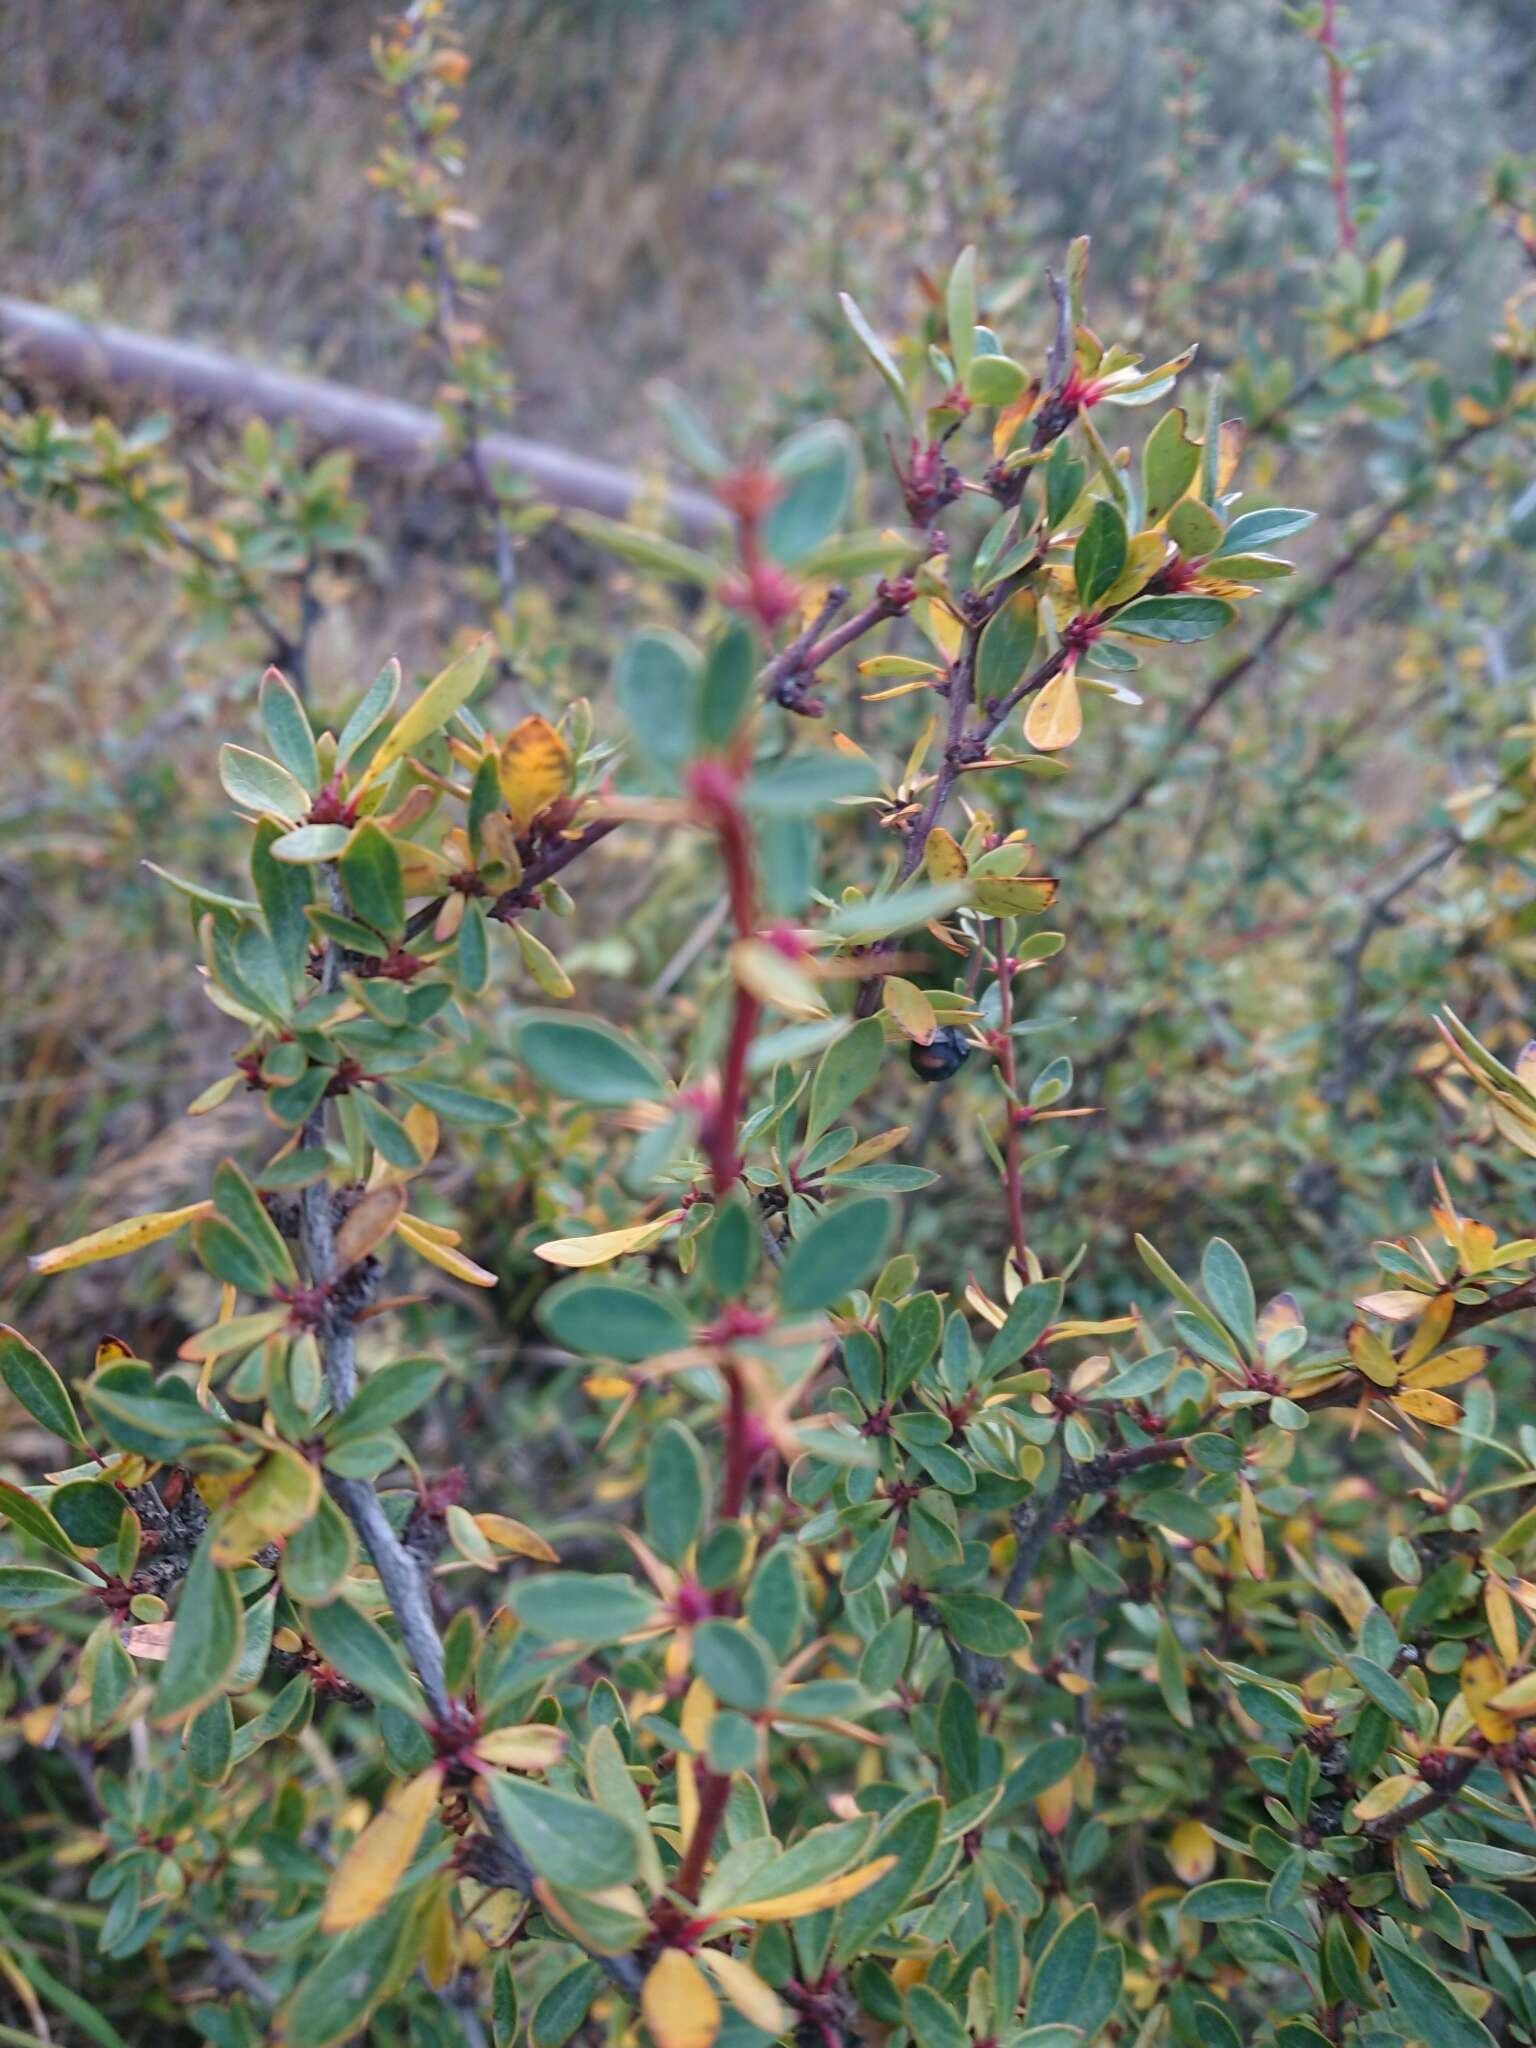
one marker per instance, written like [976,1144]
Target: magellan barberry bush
[945,1667]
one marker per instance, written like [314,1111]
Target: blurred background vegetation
[679,191]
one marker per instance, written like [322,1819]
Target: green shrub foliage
[1000,1657]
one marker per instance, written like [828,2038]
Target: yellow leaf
[1389,1793]
[812,1897]
[517,1537]
[1053,1807]
[274,1500]
[1192,1851]
[606,1245]
[757,2003]
[1483,1692]
[764,972]
[1518,1699]
[1500,1610]
[678,2004]
[1425,1406]
[1432,1326]
[132,1235]
[533,768]
[1014,895]
[910,1008]
[1349,1594]
[543,966]
[529,1746]
[1394,1304]
[368,1223]
[874,1148]
[943,857]
[1143,558]
[1371,1356]
[442,1255]
[1055,718]
[1449,1368]
[1250,1531]
[365,1880]
[433,708]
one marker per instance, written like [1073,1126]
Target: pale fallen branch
[40,343]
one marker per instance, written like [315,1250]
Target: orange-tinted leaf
[812,1897]
[365,1880]
[117,1239]
[678,2003]
[1055,717]
[533,767]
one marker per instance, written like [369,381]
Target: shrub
[957,1665]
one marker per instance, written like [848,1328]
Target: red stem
[714,1791]
[1327,37]
[738,1450]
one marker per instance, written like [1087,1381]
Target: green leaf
[804,783]
[1030,1315]
[728,684]
[333,2001]
[995,380]
[373,707]
[586,1060]
[25,1586]
[826,1852]
[567,1840]
[388,1136]
[286,725]
[1230,1291]
[612,1319]
[1226,1898]
[1174,618]
[32,1381]
[735,1663]
[674,1491]
[646,550]
[90,1511]
[916,1329]
[360,1650]
[459,1105]
[563,2006]
[582,1607]
[877,352]
[444,695]
[817,471]
[261,786]
[1171,1682]
[983,1624]
[387,1397]
[1169,461]
[241,1207]
[1393,1697]
[932,2021]
[317,1558]
[1006,646]
[911,1835]
[839,1251]
[1195,529]
[1426,2001]
[311,843]
[1055,1988]
[845,1071]
[658,683]
[1100,553]
[370,874]
[960,306]
[205,1641]
[1263,529]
